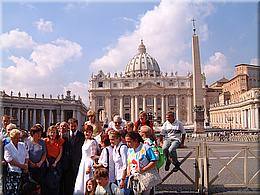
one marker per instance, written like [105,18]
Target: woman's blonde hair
[14,132]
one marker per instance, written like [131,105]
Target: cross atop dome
[141,48]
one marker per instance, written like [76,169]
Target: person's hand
[182,145]
[88,170]
[122,184]
[24,166]
[33,165]
[54,164]
[39,164]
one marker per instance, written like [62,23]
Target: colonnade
[25,118]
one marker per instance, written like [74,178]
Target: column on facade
[132,109]
[177,107]
[34,116]
[26,118]
[166,103]
[155,106]
[163,108]
[108,100]
[136,107]
[121,106]
[144,103]
[257,117]
[189,109]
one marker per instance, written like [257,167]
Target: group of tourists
[120,157]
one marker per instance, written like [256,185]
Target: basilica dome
[142,64]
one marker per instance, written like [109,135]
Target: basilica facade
[143,86]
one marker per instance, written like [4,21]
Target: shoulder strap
[120,148]
[107,159]
[110,186]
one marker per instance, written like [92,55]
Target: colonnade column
[177,107]
[155,106]
[79,118]
[18,117]
[144,104]
[253,117]
[34,116]
[163,109]
[43,118]
[132,109]
[11,112]
[26,118]
[257,117]
[61,115]
[74,114]
[49,119]
[136,107]
[242,118]
[121,106]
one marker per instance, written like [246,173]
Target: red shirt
[53,147]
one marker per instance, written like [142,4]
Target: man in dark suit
[73,153]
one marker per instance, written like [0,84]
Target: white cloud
[166,31]
[16,39]
[40,73]
[254,61]
[216,67]
[44,25]
[79,89]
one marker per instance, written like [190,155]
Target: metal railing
[239,165]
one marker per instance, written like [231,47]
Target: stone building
[27,111]
[142,87]
[239,101]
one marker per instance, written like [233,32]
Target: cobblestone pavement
[232,175]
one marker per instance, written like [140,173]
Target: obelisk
[198,109]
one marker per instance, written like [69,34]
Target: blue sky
[49,47]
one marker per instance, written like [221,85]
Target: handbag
[149,179]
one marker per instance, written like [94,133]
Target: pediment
[149,86]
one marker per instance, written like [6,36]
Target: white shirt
[120,160]
[103,160]
[75,132]
[100,190]
[18,154]
[173,130]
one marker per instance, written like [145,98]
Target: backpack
[161,158]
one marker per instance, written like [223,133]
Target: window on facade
[172,100]
[115,102]
[100,84]
[158,83]
[114,84]
[127,101]
[149,101]
[139,84]
[100,101]
[182,84]
[171,84]
[127,85]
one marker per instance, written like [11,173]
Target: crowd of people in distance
[90,158]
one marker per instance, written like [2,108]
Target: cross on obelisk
[198,92]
